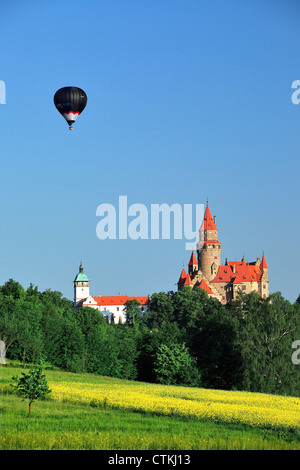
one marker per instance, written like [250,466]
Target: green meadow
[64,425]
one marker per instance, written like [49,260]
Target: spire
[263,264]
[81,276]
[183,276]
[188,281]
[208,222]
[193,260]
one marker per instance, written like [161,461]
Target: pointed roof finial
[263,264]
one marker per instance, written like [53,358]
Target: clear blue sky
[187,100]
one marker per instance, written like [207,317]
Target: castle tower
[188,282]
[193,264]
[81,286]
[264,282]
[208,247]
[182,279]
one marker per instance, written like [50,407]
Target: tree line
[184,338]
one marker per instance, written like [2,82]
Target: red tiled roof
[244,272]
[119,300]
[183,276]
[208,222]
[208,242]
[193,260]
[263,264]
[224,274]
[188,281]
[205,286]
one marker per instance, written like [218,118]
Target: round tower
[81,286]
[209,248]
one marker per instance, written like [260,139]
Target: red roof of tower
[208,221]
[183,276]
[263,264]
[193,260]
[188,281]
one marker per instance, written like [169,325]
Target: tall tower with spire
[81,286]
[223,282]
[208,247]
[264,282]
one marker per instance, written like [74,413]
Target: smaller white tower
[81,286]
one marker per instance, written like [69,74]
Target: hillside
[86,411]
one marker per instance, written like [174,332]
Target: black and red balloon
[70,101]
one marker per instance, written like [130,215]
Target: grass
[62,424]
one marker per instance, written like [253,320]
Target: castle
[222,282]
[111,307]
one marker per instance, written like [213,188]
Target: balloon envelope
[70,101]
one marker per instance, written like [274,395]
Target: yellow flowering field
[232,407]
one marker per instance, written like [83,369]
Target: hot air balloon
[70,101]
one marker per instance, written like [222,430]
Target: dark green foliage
[184,336]
[175,366]
[132,312]
[267,330]
[217,349]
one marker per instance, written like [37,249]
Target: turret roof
[81,276]
[188,281]
[193,260]
[183,276]
[208,222]
[263,264]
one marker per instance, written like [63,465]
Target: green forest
[184,338]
